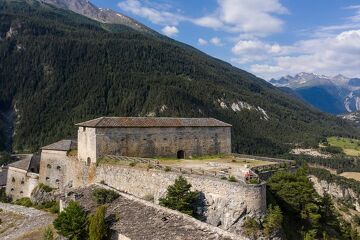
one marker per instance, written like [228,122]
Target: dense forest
[59,68]
[306,214]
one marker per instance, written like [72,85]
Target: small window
[48,166]
[47,178]
[57,180]
[12,190]
[21,192]
[58,167]
[13,179]
[22,182]
[84,129]
[88,161]
[165,139]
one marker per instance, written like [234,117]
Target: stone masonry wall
[226,203]
[20,183]
[151,142]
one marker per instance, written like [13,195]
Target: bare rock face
[336,191]
[86,8]
[39,196]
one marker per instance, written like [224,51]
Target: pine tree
[180,198]
[273,220]
[97,225]
[71,222]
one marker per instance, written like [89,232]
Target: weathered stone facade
[22,177]
[226,204]
[180,141]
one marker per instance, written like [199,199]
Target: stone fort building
[152,137]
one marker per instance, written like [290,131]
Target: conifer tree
[97,225]
[71,222]
[180,198]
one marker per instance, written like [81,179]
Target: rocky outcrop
[39,196]
[336,191]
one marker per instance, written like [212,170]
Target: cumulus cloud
[170,31]
[245,16]
[158,14]
[331,56]
[202,41]
[216,41]
[256,17]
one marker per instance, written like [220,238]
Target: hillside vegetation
[351,147]
[58,68]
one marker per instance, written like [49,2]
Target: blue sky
[269,38]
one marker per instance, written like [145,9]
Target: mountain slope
[335,95]
[58,68]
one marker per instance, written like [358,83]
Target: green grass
[351,147]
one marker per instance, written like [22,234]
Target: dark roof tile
[123,122]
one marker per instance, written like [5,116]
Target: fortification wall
[150,142]
[226,204]
[20,183]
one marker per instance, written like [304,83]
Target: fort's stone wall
[151,142]
[53,168]
[20,183]
[226,203]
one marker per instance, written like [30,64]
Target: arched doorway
[181,154]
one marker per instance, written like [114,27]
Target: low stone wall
[226,204]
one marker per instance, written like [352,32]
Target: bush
[71,223]
[3,197]
[26,202]
[167,169]
[51,206]
[180,198]
[102,196]
[251,228]
[332,149]
[132,164]
[254,181]
[273,220]
[45,187]
[48,234]
[232,179]
[97,226]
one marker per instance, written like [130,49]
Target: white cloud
[202,41]
[330,56]
[156,13]
[216,41]
[255,17]
[245,16]
[170,31]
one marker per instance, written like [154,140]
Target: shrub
[45,187]
[132,164]
[251,228]
[232,179]
[273,220]
[71,223]
[97,226]
[180,198]
[167,169]
[3,197]
[149,197]
[224,178]
[332,149]
[254,181]
[48,234]
[102,196]
[26,202]
[51,206]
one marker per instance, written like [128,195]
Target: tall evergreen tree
[97,225]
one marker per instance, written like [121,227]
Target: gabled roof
[63,145]
[144,122]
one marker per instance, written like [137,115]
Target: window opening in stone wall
[12,190]
[58,167]
[47,178]
[88,161]
[13,179]
[48,166]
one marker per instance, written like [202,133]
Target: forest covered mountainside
[59,68]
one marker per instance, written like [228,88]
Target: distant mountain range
[336,95]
